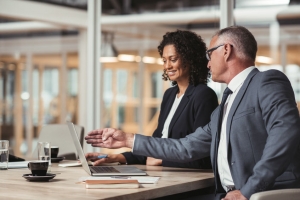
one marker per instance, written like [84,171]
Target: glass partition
[39,70]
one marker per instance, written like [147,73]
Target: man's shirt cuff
[133,143]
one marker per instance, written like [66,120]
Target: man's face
[216,63]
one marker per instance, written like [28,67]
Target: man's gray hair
[242,40]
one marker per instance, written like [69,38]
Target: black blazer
[193,111]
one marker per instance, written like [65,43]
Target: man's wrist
[129,140]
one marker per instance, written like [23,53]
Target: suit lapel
[185,99]
[237,101]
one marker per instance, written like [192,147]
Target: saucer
[56,160]
[48,176]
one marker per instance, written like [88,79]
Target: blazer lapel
[185,99]
[237,101]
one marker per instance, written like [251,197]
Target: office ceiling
[138,6]
[119,7]
[133,35]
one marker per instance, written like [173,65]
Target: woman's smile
[171,73]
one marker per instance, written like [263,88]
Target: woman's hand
[153,161]
[111,158]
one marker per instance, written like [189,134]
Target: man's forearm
[176,150]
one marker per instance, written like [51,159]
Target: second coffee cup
[38,168]
[54,151]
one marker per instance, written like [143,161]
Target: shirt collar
[239,79]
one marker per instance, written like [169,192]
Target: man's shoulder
[271,72]
[261,77]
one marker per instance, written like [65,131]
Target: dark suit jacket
[193,111]
[263,136]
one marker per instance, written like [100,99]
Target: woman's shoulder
[203,89]
[171,89]
[204,95]
[169,94]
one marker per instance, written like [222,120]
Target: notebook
[114,184]
[101,170]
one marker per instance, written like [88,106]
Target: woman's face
[173,65]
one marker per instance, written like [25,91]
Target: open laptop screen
[78,148]
[102,170]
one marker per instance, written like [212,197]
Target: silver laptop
[102,170]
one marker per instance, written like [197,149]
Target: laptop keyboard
[98,169]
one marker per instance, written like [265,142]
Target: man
[253,136]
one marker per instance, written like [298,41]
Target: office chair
[288,194]
[59,135]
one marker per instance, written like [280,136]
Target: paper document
[70,164]
[78,163]
[140,179]
[20,164]
[111,184]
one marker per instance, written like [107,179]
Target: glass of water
[4,154]
[44,152]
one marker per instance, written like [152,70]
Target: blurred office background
[44,76]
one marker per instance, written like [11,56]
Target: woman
[185,106]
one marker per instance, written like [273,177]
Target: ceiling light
[25,95]
[159,61]
[126,57]
[108,59]
[264,59]
[149,60]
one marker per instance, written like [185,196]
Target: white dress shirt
[223,165]
[165,131]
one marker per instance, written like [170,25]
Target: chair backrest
[288,194]
[59,135]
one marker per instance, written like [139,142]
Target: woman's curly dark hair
[191,50]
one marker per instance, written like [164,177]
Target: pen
[102,156]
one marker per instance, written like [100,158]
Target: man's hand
[153,161]
[109,138]
[234,195]
[109,159]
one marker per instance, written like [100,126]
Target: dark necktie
[226,93]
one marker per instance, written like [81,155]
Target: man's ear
[227,51]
